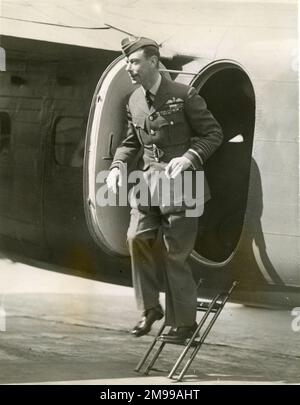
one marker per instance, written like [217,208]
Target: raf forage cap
[130,45]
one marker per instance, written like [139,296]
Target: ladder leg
[155,357]
[146,355]
[188,363]
[203,337]
[183,354]
[177,364]
[201,341]
[186,349]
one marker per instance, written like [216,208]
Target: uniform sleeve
[129,147]
[207,135]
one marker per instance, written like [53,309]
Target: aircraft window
[5,131]
[69,141]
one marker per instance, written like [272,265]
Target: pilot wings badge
[174,100]
[175,104]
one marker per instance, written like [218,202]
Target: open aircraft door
[106,127]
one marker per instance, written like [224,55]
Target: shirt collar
[155,87]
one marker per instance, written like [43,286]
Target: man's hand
[176,166]
[113,179]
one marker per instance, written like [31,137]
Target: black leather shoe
[180,334]
[149,317]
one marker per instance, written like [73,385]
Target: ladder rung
[204,305]
[184,343]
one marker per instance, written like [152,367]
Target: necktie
[149,96]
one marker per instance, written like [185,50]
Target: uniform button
[151,118]
[152,132]
[172,122]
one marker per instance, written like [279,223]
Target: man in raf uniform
[171,123]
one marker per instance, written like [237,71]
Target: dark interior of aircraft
[230,97]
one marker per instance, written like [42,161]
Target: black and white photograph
[149,195]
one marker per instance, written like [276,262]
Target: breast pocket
[174,128]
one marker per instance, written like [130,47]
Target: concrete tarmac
[59,329]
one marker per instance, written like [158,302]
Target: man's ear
[154,60]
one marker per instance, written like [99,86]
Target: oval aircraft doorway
[106,128]
[229,94]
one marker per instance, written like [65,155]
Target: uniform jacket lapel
[160,98]
[142,110]
[162,95]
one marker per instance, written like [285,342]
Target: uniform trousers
[178,234]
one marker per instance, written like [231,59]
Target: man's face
[139,68]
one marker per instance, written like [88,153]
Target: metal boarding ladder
[214,308]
